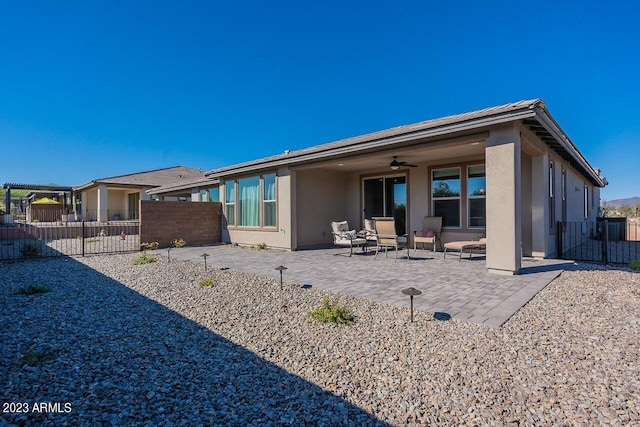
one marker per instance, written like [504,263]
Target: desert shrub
[207,283]
[144,259]
[262,245]
[150,246]
[332,313]
[179,243]
[33,290]
[31,249]
[34,357]
[635,265]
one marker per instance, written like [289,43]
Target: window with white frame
[564,195]
[586,201]
[552,204]
[476,197]
[445,192]
[230,202]
[214,194]
[269,200]
[253,201]
[249,202]
[204,197]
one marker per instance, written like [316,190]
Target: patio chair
[369,231]
[431,228]
[388,238]
[463,245]
[342,236]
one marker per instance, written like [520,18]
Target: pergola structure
[36,187]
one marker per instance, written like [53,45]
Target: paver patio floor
[461,289]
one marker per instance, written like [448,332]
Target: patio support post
[103,202]
[504,223]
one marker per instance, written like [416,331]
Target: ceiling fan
[395,164]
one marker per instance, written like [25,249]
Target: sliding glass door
[386,196]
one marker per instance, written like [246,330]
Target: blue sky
[93,89]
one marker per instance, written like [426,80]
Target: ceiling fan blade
[407,164]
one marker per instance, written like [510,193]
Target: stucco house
[117,197]
[508,172]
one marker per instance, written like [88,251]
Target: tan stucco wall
[526,185]
[504,227]
[322,197]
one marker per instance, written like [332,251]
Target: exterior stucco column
[103,203]
[286,191]
[504,225]
[540,205]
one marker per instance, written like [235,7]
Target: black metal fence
[609,241]
[51,239]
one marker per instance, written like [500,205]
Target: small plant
[207,283]
[31,249]
[179,243]
[34,357]
[144,259]
[91,240]
[332,313]
[33,290]
[251,247]
[150,246]
[262,246]
[635,265]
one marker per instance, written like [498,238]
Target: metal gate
[610,241]
[52,239]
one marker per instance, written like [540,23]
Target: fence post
[605,242]
[83,237]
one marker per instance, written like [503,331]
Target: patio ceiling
[432,153]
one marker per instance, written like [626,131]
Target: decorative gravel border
[147,345]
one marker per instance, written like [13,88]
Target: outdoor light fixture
[281,268]
[168,254]
[411,292]
[205,255]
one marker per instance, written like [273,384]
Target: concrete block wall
[196,223]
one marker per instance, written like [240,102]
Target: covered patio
[463,289]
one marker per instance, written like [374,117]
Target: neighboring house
[507,172]
[117,197]
[199,189]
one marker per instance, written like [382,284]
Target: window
[203,196]
[564,195]
[552,205]
[249,202]
[214,194]
[252,200]
[229,201]
[269,200]
[476,197]
[586,201]
[445,191]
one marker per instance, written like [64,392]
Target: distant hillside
[619,202]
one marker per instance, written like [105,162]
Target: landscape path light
[281,268]
[205,255]
[411,292]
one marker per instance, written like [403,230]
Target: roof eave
[381,143]
[187,186]
[546,120]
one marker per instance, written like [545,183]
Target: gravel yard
[116,344]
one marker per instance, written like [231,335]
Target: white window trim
[469,197]
[236,189]
[459,198]
[264,201]
[227,204]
